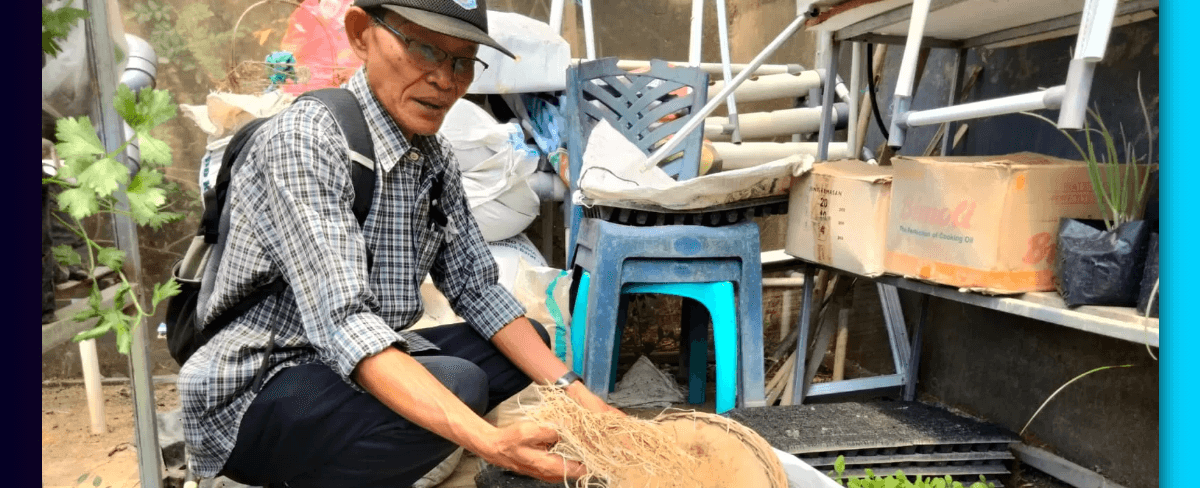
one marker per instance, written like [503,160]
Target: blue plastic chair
[671,259]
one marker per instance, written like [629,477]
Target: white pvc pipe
[1048,99]
[697,25]
[912,47]
[556,16]
[1094,28]
[91,384]
[731,102]
[587,28]
[771,87]
[747,154]
[856,61]
[756,125]
[697,119]
[716,69]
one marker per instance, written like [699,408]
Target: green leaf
[144,196]
[104,176]
[840,465]
[154,107]
[153,151]
[112,257]
[86,314]
[67,256]
[56,24]
[126,104]
[83,477]
[79,202]
[157,220]
[163,291]
[119,297]
[891,483]
[124,340]
[94,333]
[96,481]
[77,138]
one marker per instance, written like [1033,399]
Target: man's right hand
[524,447]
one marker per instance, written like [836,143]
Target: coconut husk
[674,450]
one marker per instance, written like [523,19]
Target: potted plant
[1101,262]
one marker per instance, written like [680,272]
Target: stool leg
[725,341]
[603,301]
[695,318]
[618,333]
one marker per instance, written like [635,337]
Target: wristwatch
[566,380]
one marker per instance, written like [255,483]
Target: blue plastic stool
[718,300]
[615,255]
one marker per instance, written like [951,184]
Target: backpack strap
[350,119]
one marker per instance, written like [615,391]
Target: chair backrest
[646,107]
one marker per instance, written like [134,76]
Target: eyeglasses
[430,57]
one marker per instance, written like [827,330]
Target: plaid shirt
[290,216]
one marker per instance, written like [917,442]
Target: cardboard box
[986,223]
[837,215]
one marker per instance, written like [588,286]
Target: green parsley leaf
[153,151]
[79,202]
[155,107]
[104,176]
[93,333]
[67,256]
[86,314]
[163,291]
[112,257]
[124,340]
[77,138]
[126,104]
[56,24]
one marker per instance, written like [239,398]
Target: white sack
[613,173]
[542,57]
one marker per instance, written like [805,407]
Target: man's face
[416,96]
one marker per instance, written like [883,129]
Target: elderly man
[348,397]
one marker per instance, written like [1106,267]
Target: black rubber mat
[492,477]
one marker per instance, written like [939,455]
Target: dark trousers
[307,427]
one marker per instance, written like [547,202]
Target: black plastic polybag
[1149,280]
[1094,266]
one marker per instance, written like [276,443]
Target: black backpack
[184,335]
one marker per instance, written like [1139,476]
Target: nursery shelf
[1117,322]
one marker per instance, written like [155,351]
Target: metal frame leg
[914,363]
[802,338]
[827,93]
[960,65]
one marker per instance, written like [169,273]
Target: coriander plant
[93,181]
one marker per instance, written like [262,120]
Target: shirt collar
[390,144]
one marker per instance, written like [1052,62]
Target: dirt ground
[69,449]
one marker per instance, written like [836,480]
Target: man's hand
[524,447]
[583,396]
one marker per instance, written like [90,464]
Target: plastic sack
[542,57]
[544,292]
[1100,267]
[548,123]
[316,36]
[66,78]
[496,165]
[509,253]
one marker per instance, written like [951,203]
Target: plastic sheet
[1150,290]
